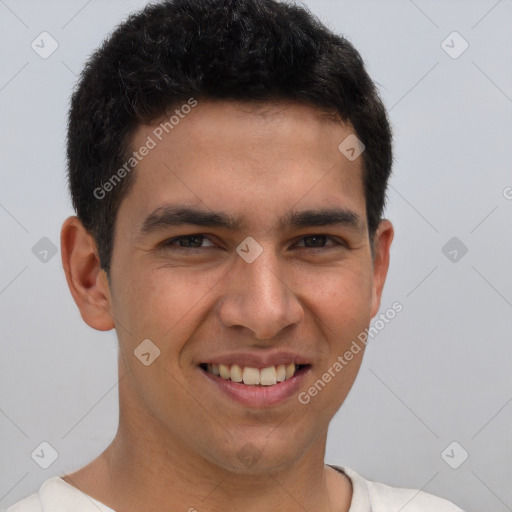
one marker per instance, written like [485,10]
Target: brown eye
[185,242]
[317,241]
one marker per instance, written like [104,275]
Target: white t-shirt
[56,495]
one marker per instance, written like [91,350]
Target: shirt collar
[360,496]
[57,495]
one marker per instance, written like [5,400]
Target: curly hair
[246,50]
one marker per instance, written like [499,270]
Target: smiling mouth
[269,376]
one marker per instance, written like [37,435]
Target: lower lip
[259,396]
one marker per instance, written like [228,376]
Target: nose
[259,296]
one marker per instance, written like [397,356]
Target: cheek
[342,298]
[165,303]
[159,303]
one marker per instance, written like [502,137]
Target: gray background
[438,373]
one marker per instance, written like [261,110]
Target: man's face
[215,299]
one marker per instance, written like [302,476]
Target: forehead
[255,161]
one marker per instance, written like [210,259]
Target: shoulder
[31,503]
[378,497]
[56,495]
[409,500]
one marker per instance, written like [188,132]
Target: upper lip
[257,360]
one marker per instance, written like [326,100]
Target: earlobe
[87,282]
[383,238]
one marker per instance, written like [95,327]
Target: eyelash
[194,250]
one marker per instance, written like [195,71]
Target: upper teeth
[253,376]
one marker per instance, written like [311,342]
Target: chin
[258,456]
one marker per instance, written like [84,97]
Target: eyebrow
[179,215]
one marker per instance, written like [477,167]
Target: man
[249,127]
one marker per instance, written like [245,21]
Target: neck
[146,468]
[129,477]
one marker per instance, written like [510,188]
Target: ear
[382,243]
[87,282]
